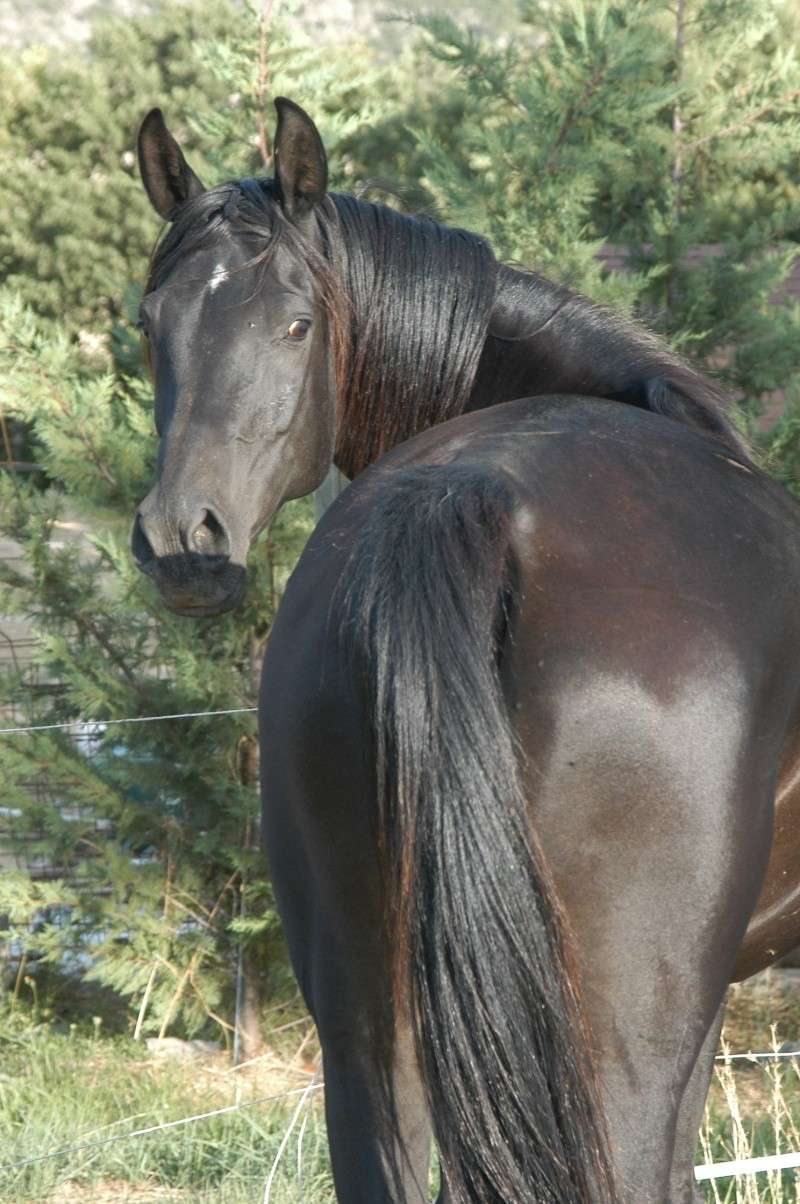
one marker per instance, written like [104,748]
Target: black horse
[531,699]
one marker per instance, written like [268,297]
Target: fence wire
[169,1124]
[83,723]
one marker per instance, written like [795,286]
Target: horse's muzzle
[188,589]
[193,572]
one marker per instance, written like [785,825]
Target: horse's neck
[542,338]
[545,339]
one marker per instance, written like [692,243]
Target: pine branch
[225,1025]
[201,920]
[89,627]
[737,127]
[574,111]
[63,405]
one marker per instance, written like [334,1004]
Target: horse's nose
[205,535]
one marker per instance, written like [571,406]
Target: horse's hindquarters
[650,691]
[657,850]
[647,708]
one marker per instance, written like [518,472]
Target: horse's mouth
[201,610]
[189,591]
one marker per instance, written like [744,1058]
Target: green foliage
[95,431]
[79,228]
[781,443]
[536,132]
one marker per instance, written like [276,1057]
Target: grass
[60,1088]
[753,1112]
[754,1107]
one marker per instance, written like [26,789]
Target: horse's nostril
[141,546]
[209,538]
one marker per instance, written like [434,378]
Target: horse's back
[641,552]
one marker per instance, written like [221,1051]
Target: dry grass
[61,1090]
[754,1107]
[771,998]
[116,1191]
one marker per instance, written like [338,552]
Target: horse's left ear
[301,166]
[167,177]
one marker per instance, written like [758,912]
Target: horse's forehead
[222,259]
[205,268]
[282,269]
[219,274]
[233,270]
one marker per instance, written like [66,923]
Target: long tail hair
[477,952]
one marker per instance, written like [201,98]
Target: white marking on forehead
[217,276]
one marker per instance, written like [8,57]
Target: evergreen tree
[150,826]
[149,829]
[77,227]
[641,123]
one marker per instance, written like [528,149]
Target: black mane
[573,345]
[423,318]
[421,297]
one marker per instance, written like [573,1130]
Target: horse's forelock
[240,206]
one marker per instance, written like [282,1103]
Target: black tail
[478,959]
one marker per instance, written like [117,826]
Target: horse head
[237,321]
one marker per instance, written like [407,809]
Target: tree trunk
[676,173]
[249,1032]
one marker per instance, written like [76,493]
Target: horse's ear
[167,177]
[301,166]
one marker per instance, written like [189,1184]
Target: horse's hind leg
[319,828]
[340,965]
[361,1172]
[658,849]
[683,1187]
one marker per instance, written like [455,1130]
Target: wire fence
[714,1170]
[708,1171]
[148,1130]
[82,724]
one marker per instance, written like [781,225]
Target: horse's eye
[299,328]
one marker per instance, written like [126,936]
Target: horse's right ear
[301,166]
[167,177]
